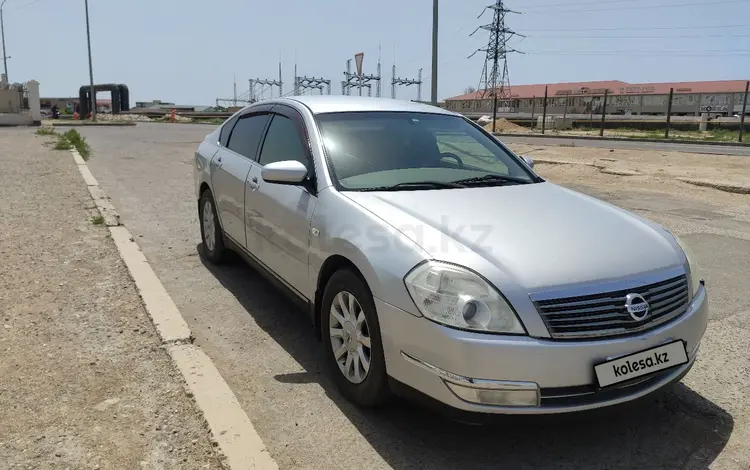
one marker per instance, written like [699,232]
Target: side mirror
[286,172]
[529,161]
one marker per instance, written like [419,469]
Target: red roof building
[616,87]
[723,97]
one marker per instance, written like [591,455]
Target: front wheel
[352,342]
[211,235]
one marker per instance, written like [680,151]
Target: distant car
[484,120]
[427,253]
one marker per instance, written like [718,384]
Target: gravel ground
[265,349]
[84,382]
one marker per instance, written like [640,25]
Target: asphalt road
[266,350]
[629,144]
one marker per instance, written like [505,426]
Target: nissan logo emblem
[636,306]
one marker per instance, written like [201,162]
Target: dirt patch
[84,381]
[503,125]
[653,168]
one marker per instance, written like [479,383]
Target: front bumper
[427,357]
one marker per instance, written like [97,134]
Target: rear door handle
[253,183]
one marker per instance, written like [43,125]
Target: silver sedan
[428,254]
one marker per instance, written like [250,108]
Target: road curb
[230,428]
[625,139]
[93,124]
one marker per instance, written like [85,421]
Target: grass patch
[79,143]
[73,139]
[97,220]
[62,143]
[45,130]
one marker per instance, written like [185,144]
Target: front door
[278,224]
[233,165]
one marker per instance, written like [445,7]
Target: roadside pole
[533,103]
[544,110]
[604,113]
[494,109]
[434,90]
[565,111]
[744,109]
[91,69]
[669,112]
[2,31]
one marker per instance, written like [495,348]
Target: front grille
[605,314]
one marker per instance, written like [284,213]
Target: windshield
[397,150]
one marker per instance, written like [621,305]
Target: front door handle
[253,183]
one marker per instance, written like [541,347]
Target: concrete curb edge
[231,430]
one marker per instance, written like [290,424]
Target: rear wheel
[352,342]
[211,234]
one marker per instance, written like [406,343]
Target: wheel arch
[331,265]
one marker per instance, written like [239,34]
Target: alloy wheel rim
[350,337]
[209,234]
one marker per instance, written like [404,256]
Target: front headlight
[693,275]
[457,297]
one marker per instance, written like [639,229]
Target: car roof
[339,104]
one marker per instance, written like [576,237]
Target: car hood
[538,235]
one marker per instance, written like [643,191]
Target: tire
[211,233]
[372,390]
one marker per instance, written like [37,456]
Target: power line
[685,36]
[658,28]
[595,2]
[662,53]
[649,7]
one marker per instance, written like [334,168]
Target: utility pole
[604,113]
[234,100]
[2,32]
[91,68]
[669,112]
[495,82]
[434,93]
[544,110]
[744,109]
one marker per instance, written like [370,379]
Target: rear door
[278,224]
[230,168]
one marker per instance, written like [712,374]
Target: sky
[191,51]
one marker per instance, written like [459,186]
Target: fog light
[506,394]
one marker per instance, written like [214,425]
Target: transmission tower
[234,100]
[352,80]
[310,83]
[406,82]
[495,81]
[264,82]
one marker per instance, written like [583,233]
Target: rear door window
[247,134]
[226,129]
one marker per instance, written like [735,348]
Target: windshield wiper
[492,179]
[417,185]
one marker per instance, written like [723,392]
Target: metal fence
[14,99]
[709,116]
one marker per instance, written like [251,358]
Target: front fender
[381,253]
